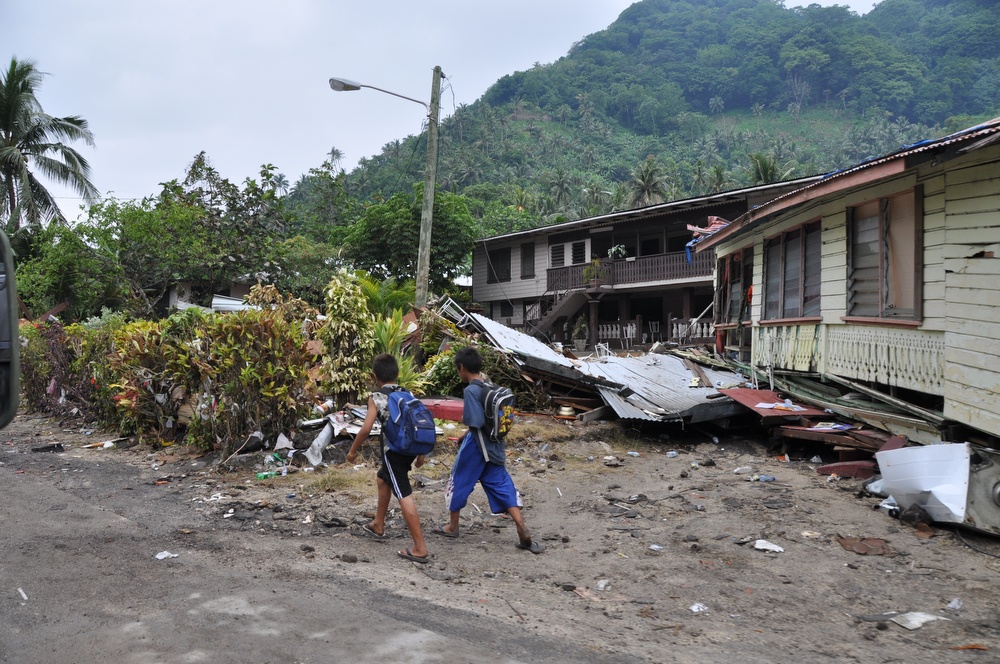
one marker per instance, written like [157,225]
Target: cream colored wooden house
[882,280]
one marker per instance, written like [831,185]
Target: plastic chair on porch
[654,331]
[628,335]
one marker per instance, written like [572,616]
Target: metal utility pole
[430,178]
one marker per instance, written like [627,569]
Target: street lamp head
[344,85]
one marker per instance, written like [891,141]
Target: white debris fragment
[764,545]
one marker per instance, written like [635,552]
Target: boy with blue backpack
[488,412]
[407,435]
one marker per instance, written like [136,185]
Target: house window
[792,274]
[885,269]
[649,246]
[502,309]
[528,260]
[735,280]
[557,255]
[579,252]
[498,265]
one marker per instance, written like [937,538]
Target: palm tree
[30,140]
[764,169]
[280,184]
[718,179]
[559,184]
[648,185]
[335,156]
[716,104]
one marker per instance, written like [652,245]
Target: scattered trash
[811,534]
[559,492]
[672,454]
[832,478]
[633,454]
[971,646]
[816,459]
[743,470]
[695,464]
[602,585]
[933,477]
[763,478]
[864,546]
[764,545]
[955,604]
[698,608]
[915,619]
[876,486]
[315,452]
[889,506]
[53,447]
[163,555]
[655,547]
[23,595]
[283,443]
[267,474]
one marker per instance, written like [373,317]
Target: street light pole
[430,173]
[430,178]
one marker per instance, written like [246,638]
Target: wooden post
[592,322]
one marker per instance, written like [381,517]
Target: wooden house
[650,288]
[876,290]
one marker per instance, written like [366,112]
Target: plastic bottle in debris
[763,478]
[672,454]
[267,474]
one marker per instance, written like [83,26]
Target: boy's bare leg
[409,509]
[382,508]
[523,534]
[452,526]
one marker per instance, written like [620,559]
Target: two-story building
[541,279]
[876,290]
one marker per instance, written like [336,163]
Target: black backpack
[498,404]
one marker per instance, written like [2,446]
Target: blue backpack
[409,426]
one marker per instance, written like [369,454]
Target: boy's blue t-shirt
[474,417]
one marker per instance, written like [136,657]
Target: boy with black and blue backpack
[405,440]
[488,412]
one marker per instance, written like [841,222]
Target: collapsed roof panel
[659,388]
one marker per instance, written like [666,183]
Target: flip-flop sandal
[405,553]
[531,545]
[367,529]
[444,533]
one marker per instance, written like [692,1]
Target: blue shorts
[470,467]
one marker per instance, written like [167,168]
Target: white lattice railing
[682,329]
[911,359]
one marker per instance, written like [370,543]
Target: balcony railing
[645,269]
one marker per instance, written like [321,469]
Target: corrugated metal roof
[750,218]
[517,342]
[650,387]
[656,386]
[651,210]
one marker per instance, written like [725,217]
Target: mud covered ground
[648,557]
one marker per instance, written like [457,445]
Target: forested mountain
[686,97]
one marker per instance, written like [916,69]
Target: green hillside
[720,93]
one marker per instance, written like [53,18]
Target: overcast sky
[246,80]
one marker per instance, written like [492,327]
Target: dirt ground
[649,557]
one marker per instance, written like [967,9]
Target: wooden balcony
[656,269]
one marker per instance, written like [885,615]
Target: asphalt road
[79,582]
